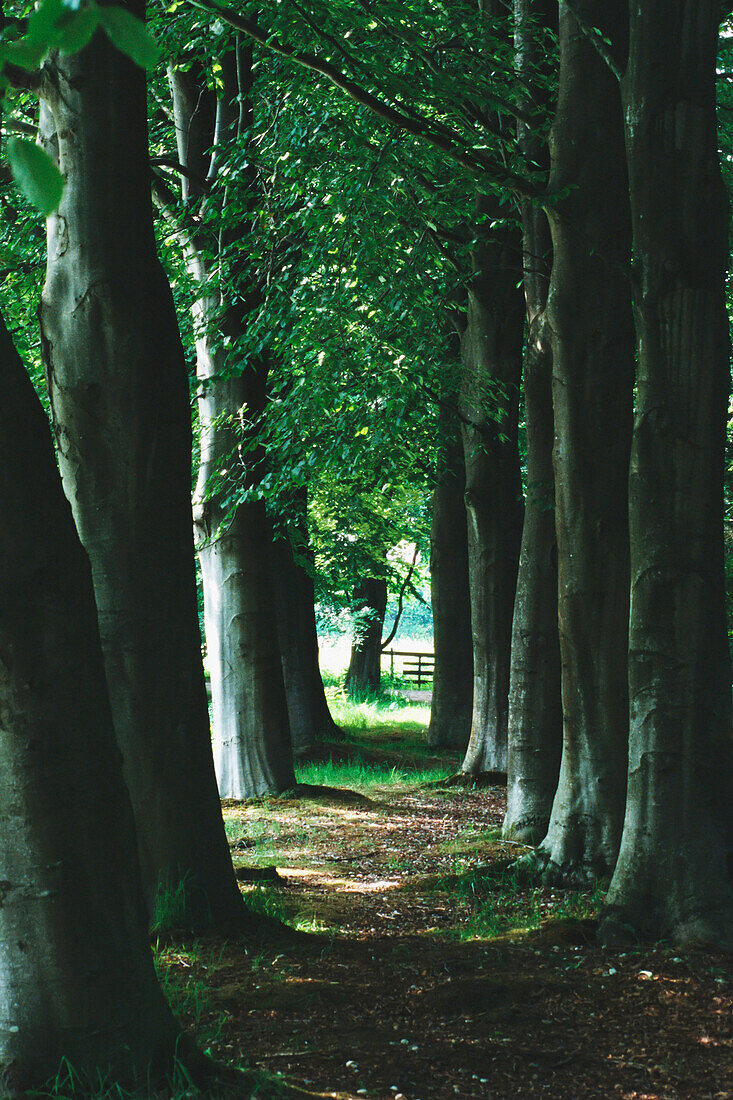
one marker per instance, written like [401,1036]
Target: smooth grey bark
[77,982]
[251,734]
[590,320]
[119,393]
[670,879]
[452,700]
[370,604]
[491,350]
[308,713]
[535,703]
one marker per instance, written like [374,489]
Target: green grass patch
[369,711]
[503,900]
[365,776]
[266,903]
[184,975]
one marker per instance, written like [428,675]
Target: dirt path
[387,997]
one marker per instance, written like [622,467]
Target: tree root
[259,874]
[469,781]
[336,796]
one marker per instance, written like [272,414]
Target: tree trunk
[119,392]
[670,880]
[590,318]
[492,364]
[535,704]
[310,718]
[450,713]
[251,734]
[77,984]
[364,672]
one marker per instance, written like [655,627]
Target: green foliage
[36,174]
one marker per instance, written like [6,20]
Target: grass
[183,976]
[266,903]
[173,907]
[503,900]
[366,777]
[374,711]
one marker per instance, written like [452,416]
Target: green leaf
[130,35]
[26,53]
[36,174]
[43,22]
[78,30]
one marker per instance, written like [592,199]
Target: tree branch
[593,33]
[400,601]
[176,166]
[441,137]
[19,78]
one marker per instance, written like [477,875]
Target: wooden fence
[412,665]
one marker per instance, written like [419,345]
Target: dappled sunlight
[316,877]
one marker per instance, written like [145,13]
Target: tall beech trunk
[590,318]
[77,983]
[308,713]
[535,704]
[251,735]
[370,602]
[119,392]
[670,880]
[491,349]
[452,702]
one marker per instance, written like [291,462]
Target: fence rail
[414,665]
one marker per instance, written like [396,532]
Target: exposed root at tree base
[470,781]
[260,874]
[335,796]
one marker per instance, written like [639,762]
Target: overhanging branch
[441,137]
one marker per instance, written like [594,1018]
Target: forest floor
[420,967]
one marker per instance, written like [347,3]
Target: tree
[535,705]
[452,699]
[308,713]
[590,320]
[491,351]
[670,880]
[252,750]
[370,606]
[77,984]
[119,394]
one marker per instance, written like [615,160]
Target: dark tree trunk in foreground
[670,880]
[370,604]
[308,713]
[119,392]
[492,365]
[251,734]
[451,708]
[77,982]
[535,704]
[589,314]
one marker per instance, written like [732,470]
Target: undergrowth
[507,901]
[267,903]
[183,976]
